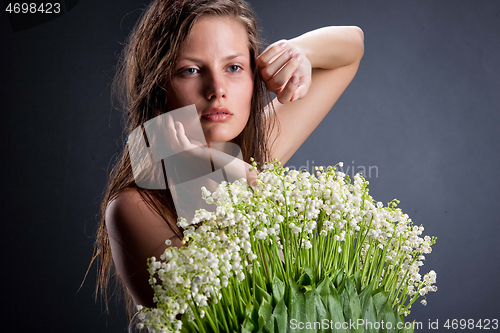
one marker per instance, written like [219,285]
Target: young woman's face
[214,70]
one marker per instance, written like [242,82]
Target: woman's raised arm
[325,61]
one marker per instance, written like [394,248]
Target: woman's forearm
[332,47]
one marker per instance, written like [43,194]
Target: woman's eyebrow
[229,57]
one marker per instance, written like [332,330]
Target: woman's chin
[219,137]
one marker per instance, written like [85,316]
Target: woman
[207,53]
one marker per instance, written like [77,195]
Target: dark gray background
[423,109]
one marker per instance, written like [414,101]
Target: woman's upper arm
[136,233]
[298,119]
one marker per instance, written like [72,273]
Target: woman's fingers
[171,135]
[270,52]
[271,68]
[181,136]
[281,76]
[176,136]
[194,148]
[277,64]
[289,92]
[285,74]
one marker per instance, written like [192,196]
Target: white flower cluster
[292,212]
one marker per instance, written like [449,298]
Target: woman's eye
[189,71]
[235,67]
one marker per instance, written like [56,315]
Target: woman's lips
[216,117]
[216,114]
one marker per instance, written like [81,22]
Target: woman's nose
[215,86]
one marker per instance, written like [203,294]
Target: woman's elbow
[359,40]
[360,34]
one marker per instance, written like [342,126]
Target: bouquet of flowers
[299,252]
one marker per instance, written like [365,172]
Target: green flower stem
[403,283]
[328,252]
[231,302]
[211,321]
[399,258]
[257,275]
[197,315]
[229,312]
[245,290]
[378,275]
[415,297]
[365,278]
[286,254]
[268,261]
[239,297]
[391,285]
[349,253]
[364,233]
[336,255]
[279,267]
[332,253]
[212,312]
[373,263]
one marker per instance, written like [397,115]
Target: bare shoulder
[131,222]
[136,232]
[126,211]
[124,206]
[127,207]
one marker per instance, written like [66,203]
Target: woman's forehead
[217,36]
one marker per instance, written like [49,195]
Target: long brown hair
[147,62]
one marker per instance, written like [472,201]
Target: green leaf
[247,325]
[266,312]
[306,288]
[387,315]
[308,270]
[296,304]
[357,281]
[334,305]
[254,313]
[408,330]
[280,316]
[321,308]
[309,298]
[339,281]
[261,324]
[306,277]
[278,287]
[368,312]
[352,308]
[379,300]
[261,294]
[323,289]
